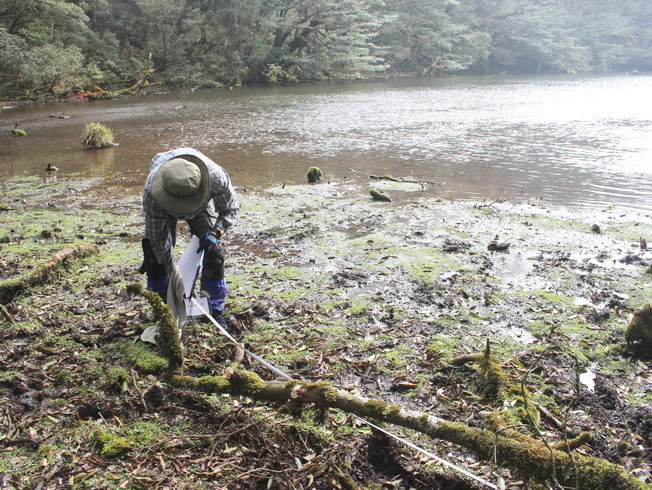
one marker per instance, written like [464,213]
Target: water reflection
[100,162]
[570,140]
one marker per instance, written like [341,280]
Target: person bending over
[184,184]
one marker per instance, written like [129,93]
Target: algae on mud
[336,287]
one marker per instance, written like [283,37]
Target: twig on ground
[7,316]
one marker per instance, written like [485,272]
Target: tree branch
[10,288]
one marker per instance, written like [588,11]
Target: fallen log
[10,288]
[529,457]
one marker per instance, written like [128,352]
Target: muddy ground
[377,298]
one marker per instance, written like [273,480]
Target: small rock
[496,246]
[154,396]
[377,195]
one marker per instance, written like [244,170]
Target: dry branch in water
[397,179]
[10,288]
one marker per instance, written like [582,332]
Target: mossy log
[529,457]
[168,341]
[10,288]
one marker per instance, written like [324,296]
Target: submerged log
[10,288]
[528,456]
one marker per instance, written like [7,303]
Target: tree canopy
[60,46]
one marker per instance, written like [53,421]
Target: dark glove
[210,242]
[213,256]
[150,265]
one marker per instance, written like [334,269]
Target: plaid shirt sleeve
[158,222]
[223,196]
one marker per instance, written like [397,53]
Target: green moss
[325,389]
[213,384]
[44,349]
[10,375]
[64,376]
[111,445]
[292,384]
[117,375]
[45,450]
[248,383]
[380,409]
[135,288]
[493,375]
[44,271]
[441,349]
[182,381]
[359,305]
[127,438]
[145,360]
[428,263]
[11,287]
[398,357]
[27,327]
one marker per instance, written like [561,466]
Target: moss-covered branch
[511,449]
[10,288]
[168,340]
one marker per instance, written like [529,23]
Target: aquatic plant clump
[314,175]
[639,330]
[97,135]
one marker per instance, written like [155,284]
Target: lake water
[575,141]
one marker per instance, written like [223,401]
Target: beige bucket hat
[181,186]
